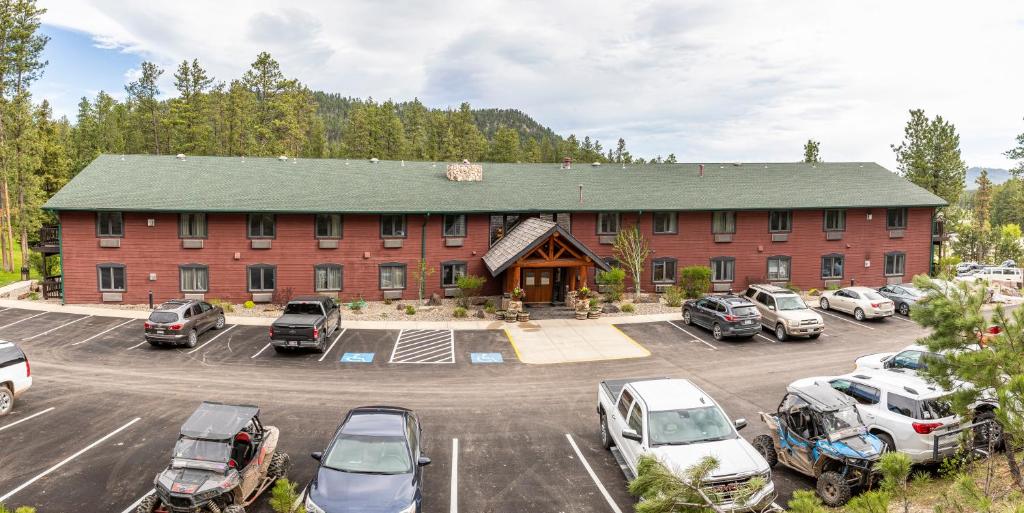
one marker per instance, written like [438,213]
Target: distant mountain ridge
[997,176]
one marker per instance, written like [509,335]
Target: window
[780,221]
[192,226]
[262,277]
[194,278]
[328,226]
[723,269]
[261,226]
[392,226]
[666,222]
[455,225]
[327,277]
[835,220]
[607,223]
[109,224]
[832,267]
[450,272]
[111,277]
[624,401]
[895,263]
[896,219]
[723,222]
[778,268]
[392,276]
[664,270]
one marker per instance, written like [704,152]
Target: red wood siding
[157,249]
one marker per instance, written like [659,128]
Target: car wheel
[832,489]
[6,400]
[148,504]
[280,464]
[858,314]
[220,323]
[766,446]
[780,332]
[904,309]
[890,446]
[716,331]
[823,304]
[686,318]
[606,437]
[193,338]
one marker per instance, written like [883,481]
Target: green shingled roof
[235,184]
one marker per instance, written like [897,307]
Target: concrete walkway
[536,342]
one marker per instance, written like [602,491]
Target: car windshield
[369,455]
[873,296]
[303,308]
[695,425]
[790,303]
[842,423]
[201,454]
[163,316]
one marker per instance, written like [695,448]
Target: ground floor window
[832,267]
[262,278]
[723,269]
[895,263]
[664,270]
[327,277]
[392,276]
[778,268]
[111,277]
[194,278]
[450,273]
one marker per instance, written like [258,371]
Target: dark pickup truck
[307,322]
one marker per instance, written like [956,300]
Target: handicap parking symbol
[486,358]
[357,358]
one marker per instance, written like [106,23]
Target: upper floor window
[778,268]
[261,226]
[262,277]
[392,225]
[607,223]
[194,278]
[328,226]
[896,219]
[835,220]
[832,267]
[723,269]
[723,222]
[327,277]
[455,225]
[664,270]
[111,277]
[109,224]
[895,263]
[192,226]
[450,273]
[666,223]
[780,221]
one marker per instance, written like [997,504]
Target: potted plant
[595,309]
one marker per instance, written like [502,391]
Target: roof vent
[465,172]
[181,156]
[283,158]
[595,164]
[374,160]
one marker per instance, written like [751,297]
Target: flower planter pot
[581,314]
[524,316]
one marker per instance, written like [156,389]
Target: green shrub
[674,296]
[283,496]
[249,305]
[613,282]
[469,286]
[410,310]
[695,281]
[628,308]
[459,312]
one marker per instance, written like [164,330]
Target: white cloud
[706,80]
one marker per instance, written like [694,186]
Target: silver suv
[181,321]
[784,312]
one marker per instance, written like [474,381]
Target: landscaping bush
[674,296]
[410,310]
[249,305]
[469,287]
[628,308]
[459,312]
[695,281]
[613,283]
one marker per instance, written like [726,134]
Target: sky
[710,81]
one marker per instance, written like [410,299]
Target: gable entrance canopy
[543,259]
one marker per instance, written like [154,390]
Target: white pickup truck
[15,375]
[677,423]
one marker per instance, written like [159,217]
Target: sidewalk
[536,342]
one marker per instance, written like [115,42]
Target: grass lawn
[11,277]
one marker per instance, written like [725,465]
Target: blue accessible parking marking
[486,358]
[357,358]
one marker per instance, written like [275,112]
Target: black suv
[725,316]
[181,321]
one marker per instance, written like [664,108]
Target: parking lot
[105,407]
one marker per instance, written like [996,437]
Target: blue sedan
[374,464]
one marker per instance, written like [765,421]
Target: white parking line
[264,348]
[67,460]
[767,338]
[23,320]
[695,337]
[336,339]
[844,320]
[604,492]
[455,477]
[208,342]
[104,332]
[34,415]
[135,504]
[51,330]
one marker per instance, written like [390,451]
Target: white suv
[15,375]
[903,411]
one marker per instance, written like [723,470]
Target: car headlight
[311,506]
[410,509]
